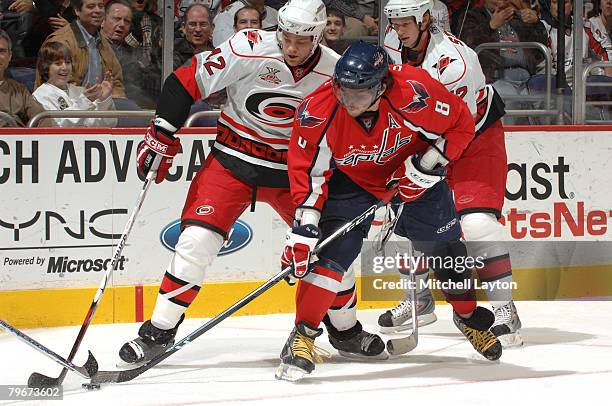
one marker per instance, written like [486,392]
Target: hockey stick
[86,371]
[38,380]
[127,375]
[398,346]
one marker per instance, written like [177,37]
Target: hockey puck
[91,386]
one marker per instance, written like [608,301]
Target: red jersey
[415,113]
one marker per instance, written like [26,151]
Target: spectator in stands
[248,17]
[15,100]
[223,22]
[197,27]
[16,21]
[358,22]
[334,30]
[508,68]
[91,53]
[440,15]
[146,32]
[596,46]
[55,67]
[141,79]
[51,15]
[603,20]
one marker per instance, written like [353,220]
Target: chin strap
[411,54]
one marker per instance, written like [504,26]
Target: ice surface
[566,359]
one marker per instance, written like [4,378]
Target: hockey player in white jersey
[266,75]
[478,178]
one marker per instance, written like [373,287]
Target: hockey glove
[158,150]
[301,240]
[412,180]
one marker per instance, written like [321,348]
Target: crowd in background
[104,55]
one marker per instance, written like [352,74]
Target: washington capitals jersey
[456,66]
[416,112]
[263,92]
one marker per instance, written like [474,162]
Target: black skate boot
[476,329]
[299,353]
[356,342]
[151,342]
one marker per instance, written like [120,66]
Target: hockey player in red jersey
[478,178]
[266,75]
[350,138]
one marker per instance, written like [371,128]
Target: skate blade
[126,365]
[290,373]
[424,320]
[360,357]
[511,340]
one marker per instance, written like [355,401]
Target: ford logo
[238,237]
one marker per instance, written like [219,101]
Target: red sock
[315,294]
[463,303]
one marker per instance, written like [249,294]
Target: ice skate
[476,330]
[299,354]
[356,342]
[151,342]
[507,325]
[400,317]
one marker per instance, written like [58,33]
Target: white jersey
[594,38]
[224,21]
[53,98]
[454,64]
[262,91]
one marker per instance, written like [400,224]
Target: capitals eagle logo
[419,100]
[306,120]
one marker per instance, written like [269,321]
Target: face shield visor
[356,101]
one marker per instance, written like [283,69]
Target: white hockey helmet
[408,8]
[303,17]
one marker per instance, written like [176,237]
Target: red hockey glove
[301,241]
[157,152]
[412,180]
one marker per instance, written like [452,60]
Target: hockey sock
[496,270]
[315,294]
[463,303]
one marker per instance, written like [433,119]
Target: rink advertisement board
[67,196]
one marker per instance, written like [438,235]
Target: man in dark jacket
[197,28]
[509,69]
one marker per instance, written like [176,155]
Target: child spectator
[56,93]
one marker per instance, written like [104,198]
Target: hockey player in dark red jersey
[266,74]
[368,126]
[478,179]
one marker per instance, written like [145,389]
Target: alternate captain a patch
[306,120]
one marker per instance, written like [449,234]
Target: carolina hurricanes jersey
[263,92]
[455,65]
[594,38]
[416,112]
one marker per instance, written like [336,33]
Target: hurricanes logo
[306,120]
[272,108]
[443,63]
[253,38]
[419,100]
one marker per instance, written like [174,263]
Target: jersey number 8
[442,108]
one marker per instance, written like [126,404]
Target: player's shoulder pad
[252,42]
[448,60]
[316,108]
[327,62]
